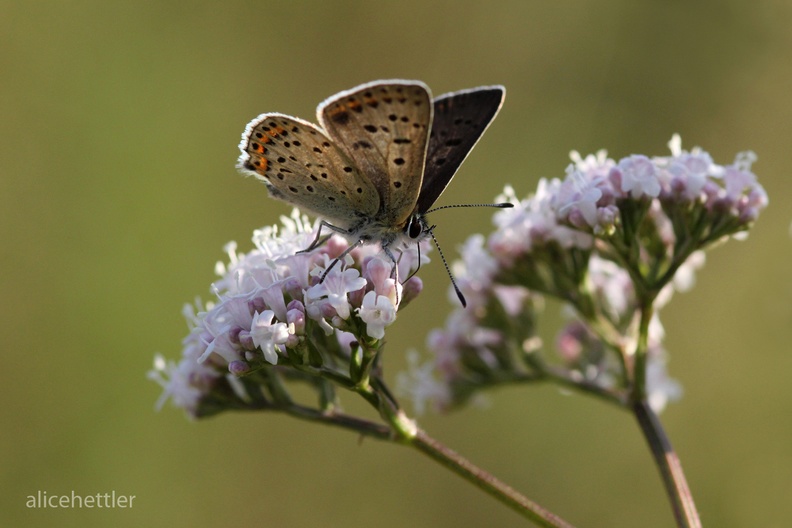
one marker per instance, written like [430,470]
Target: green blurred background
[120,123]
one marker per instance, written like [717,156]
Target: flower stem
[563,378]
[485,481]
[439,453]
[638,391]
[669,466]
[345,421]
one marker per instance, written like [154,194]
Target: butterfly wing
[383,126]
[301,165]
[460,118]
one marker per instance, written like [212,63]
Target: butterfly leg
[319,240]
[340,257]
[394,270]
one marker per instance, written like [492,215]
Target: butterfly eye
[414,227]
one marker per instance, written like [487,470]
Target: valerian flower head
[611,240]
[279,313]
[532,223]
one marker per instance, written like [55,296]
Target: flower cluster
[283,313]
[611,241]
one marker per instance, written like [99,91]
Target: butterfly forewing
[460,118]
[383,127]
[301,165]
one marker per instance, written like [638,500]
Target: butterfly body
[382,154]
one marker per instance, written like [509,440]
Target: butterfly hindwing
[383,127]
[460,118]
[301,165]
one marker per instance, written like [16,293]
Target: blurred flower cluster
[275,320]
[611,241]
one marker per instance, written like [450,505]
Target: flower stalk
[668,465]
[486,482]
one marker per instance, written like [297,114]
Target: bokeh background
[120,123]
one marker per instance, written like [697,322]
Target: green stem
[669,466]
[638,392]
[404,431]
[345,421]
[563,377]
[485,481]
[369,355]
[665,457]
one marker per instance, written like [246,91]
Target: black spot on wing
[340,116]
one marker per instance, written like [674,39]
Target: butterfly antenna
[448,270]
[502,205]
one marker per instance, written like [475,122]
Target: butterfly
[383,153]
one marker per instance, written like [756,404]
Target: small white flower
[474,272]
[420,384]
[267,335]
[334,289]
[184,383]
[685,277]
[377,271]
[579,194]
[533,222]
[377,311]
[478,262]
[737,182]
[675,145]
[613,287]
[639,177]
[593,165]
[660,387]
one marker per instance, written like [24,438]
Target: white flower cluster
[588,198]
[586,239]
[269,299]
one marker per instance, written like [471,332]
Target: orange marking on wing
[337,109]
[338,114]
[263,164]
[276,131]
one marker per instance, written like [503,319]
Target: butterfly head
[417,228]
